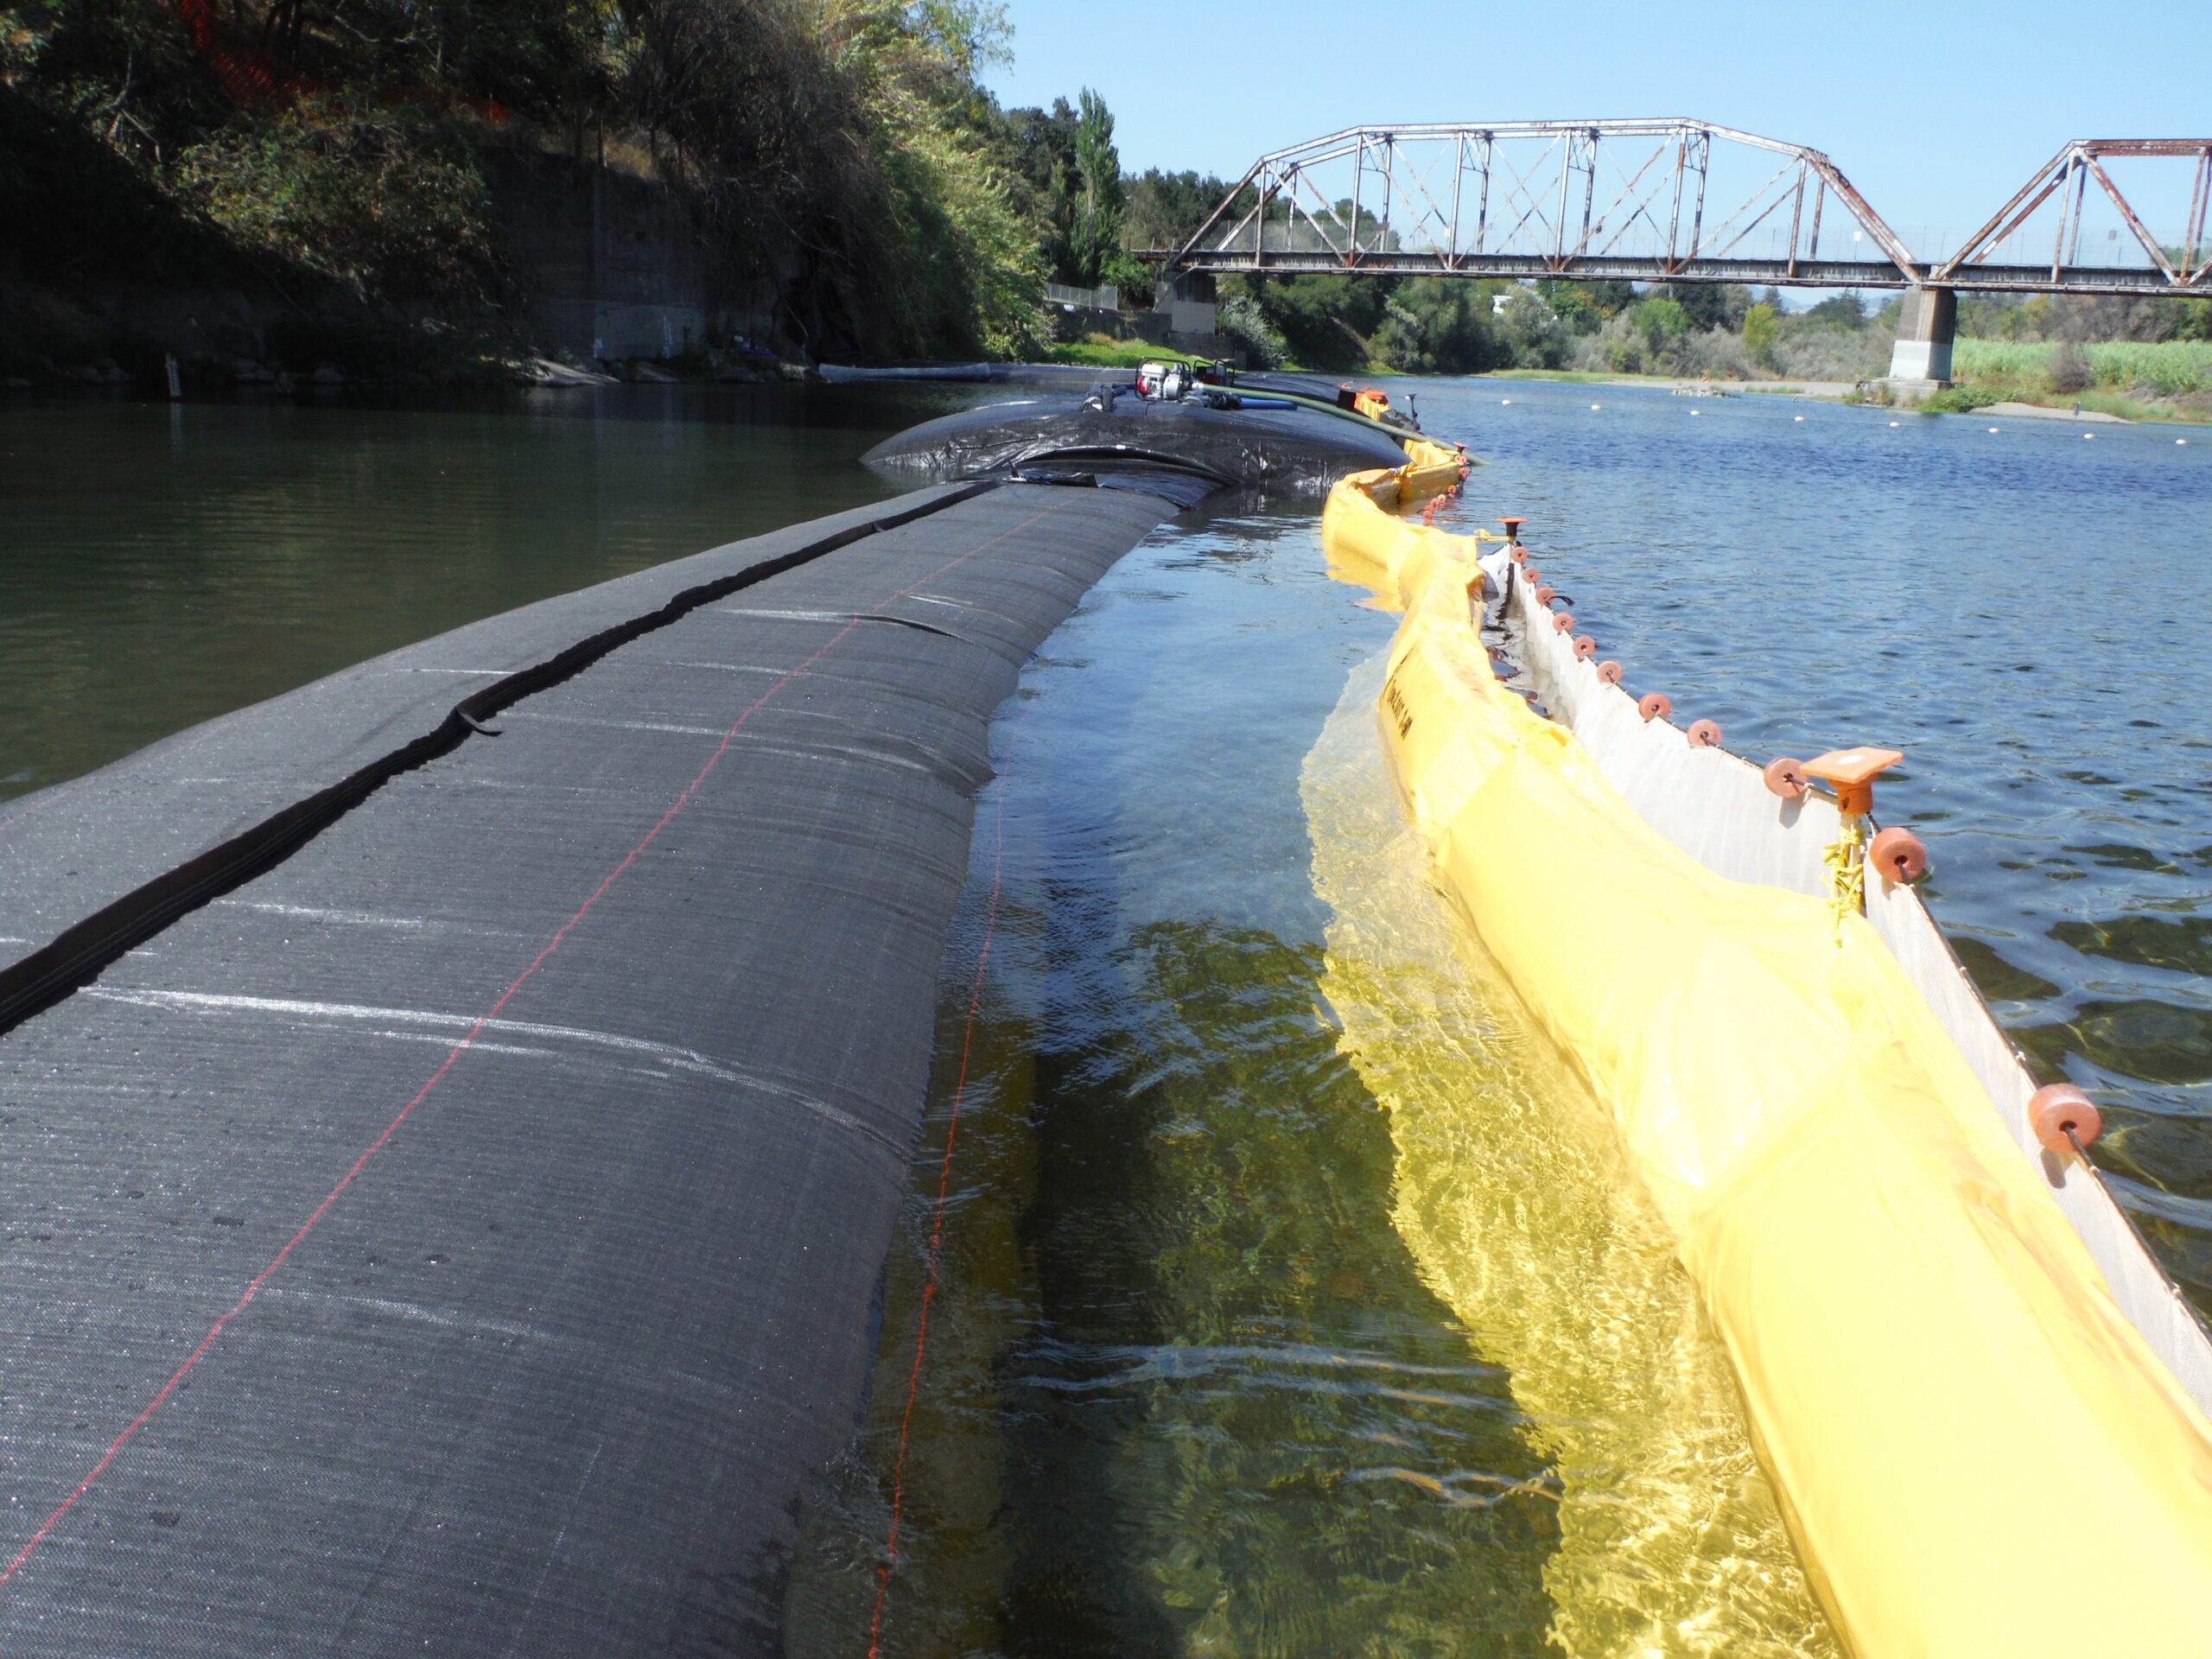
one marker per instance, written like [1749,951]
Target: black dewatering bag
[450,1220]
[1301,449]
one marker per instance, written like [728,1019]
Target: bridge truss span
[1680,201]
[2185,265]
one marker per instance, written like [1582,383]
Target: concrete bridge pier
[1922,356]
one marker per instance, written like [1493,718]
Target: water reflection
[1515,1194]
[160,566]
[1185,1389]
[1219,1360]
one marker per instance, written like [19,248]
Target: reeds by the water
[2168,368]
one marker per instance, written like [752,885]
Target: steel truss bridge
[1684,201]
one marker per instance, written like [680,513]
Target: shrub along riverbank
[2141,356]
[1452,326]
[2133,379]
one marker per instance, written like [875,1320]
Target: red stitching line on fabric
[937,1241]
[253,1286]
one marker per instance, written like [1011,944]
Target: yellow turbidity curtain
[1975,1451]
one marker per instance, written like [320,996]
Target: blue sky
[1937,111]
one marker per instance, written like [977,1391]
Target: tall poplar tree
[1094,238]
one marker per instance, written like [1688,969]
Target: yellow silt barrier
[1975,1451]
[1431,468]
[1364,542]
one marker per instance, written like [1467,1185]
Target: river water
[160,566]
[1289,1297]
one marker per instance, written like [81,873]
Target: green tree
[1241,319]
[1095,236]
[1164,209]
[1844,310]
[1438,325]
[1326,320]
[1762,333]
[1039,146]
[1586,306]
[1661,322]
[1711,305]
[1533,335]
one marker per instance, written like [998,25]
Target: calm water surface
[160,566]
[1291,1297]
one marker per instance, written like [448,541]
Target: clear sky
[1938,111]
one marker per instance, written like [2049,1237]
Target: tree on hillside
[840,150]
[1039,147]
[1069,186]
[1326,320]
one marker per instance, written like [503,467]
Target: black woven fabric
[1304,450]
[93,845]
[621,1022]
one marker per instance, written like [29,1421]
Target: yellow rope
[1845,857]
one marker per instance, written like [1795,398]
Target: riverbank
[487,365]
[1128,354]
[1831,390]
[1971,398]
[2090,405]
[2037,412]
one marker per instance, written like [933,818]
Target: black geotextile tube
[37,980]
[460,1236]
[1298,449]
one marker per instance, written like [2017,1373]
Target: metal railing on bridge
[1686,201]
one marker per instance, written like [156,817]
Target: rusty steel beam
[1553,250]
[2128,214]
[1756,273]
[2200,197]
[2051,175]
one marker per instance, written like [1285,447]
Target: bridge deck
[1753,273]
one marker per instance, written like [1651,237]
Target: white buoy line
[1507,403]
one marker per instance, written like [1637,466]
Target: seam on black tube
[77,955]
